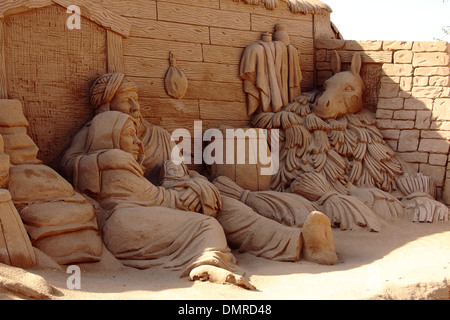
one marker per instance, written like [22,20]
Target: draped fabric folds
[144,225]
[271,75]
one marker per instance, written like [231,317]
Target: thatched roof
[296,6]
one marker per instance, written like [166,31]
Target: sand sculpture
[270,71]
[116,180]
[122,192]
[145,225]
[332,152]
[59,221]
[175,81]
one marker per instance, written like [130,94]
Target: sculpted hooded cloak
[156,141]
[143,225]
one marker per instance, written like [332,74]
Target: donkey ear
[356,64]
[336,64]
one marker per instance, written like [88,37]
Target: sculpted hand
[118,159]
[190,199]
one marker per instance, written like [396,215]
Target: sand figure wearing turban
[114,92]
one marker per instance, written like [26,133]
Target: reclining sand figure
[245,229]
[255,231]
[113,91]
[144,225]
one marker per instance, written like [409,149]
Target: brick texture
[413,108]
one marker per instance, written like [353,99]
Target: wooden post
[115,52]
[3,83]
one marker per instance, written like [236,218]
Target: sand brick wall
[413,90]
[207,38]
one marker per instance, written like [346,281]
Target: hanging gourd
[175,81]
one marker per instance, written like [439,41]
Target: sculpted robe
[208,194]
[143,225]
[155,140]
[271,75]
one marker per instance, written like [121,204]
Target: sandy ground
[405,260]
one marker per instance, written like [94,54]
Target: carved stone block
[15,246]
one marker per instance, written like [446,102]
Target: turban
[106,86]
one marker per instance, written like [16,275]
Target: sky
[409,20]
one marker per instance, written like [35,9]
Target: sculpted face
[342,93]
[129,142]
[126,102]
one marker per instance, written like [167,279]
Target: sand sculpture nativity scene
[181,135]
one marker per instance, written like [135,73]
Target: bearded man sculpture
[113,91]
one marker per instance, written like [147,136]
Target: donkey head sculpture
[342,92]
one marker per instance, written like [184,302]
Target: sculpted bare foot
[318,244]
[220,276]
